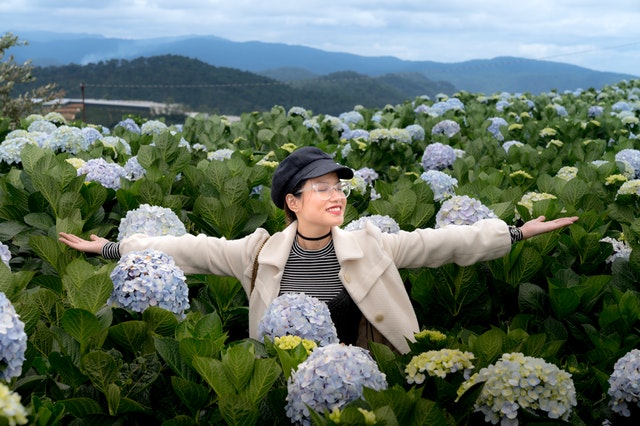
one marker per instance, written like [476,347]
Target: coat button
[347,278]
[379,318]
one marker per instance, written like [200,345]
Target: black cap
[305,163]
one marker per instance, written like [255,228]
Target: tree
[12,73]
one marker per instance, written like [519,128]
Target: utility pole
[84,116]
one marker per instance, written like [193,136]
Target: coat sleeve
[201,254]
[461,244]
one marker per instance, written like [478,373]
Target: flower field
[548,334]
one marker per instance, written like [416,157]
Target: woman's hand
[89,246]
[538,225]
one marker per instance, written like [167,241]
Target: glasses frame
[343,187]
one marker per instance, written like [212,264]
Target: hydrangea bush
[13,340]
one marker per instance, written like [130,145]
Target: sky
[596,34]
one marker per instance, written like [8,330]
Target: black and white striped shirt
[313,272]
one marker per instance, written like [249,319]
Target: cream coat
[369,261]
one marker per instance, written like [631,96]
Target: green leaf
[160,321]
[68,371]
[532,298]
[238,363]
[193,395]
[87,288]
[113,398]
[41,221]
[169,350]
[208,348]
[82,325]
[131,335]
[265,374]
[238,411]
[488,346]
[564,301]
[101,368]
[81,407]
[213,372]
[46,248]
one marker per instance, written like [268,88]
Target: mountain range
[289,63]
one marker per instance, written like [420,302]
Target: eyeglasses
[325,191]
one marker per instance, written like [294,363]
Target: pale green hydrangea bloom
[430,335]
[290,342]
[438,364]
[567,173]
[520,174]
[631,187]
[555,142]
[76,162]
[615,179]
[529,198]
[548,131]
[11,408]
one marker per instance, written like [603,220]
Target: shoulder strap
[254,274]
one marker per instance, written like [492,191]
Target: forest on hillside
[205,88]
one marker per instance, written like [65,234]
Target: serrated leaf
[265,374]
[64,366]
[82,325]
[488,346]
[193,395]
[160,321]
[564,301]
[46,248]
[130,335]
[81,407]
[87,288]
[208,348]
[113,398]
[101,368]
[212,371]
[41,221]
[238,363]
[405,203]
[169,350]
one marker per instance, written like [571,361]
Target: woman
[355,272]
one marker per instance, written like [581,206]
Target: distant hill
[205,88]
[277,60]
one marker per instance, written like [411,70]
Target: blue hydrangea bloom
[13,340]
[133,169]
[462,210]
[43,126]
[446,127]
[130,125]
[152,221]
[367,174]
[117,144]
[356,134]
[5,254]
[220,154]
[416,132]
[103,172]
[149,278]
[623,383]
[494,127]
[11,148]
[621,106]
[298,314]
[560,110]
[442,185]
[438,156]
[351,117]
[91,134]
[509,144]
[595,111]
[153,127]
[330,378]
[384,223]
[631,156]
[69,139]
[299,111]
[438,109]
[502,104]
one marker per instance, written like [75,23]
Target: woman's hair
[291,215]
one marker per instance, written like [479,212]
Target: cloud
[599,35]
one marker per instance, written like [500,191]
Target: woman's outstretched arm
[539,226]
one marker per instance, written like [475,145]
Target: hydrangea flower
[11,148]
[220,154]
[442,185]
[330,378]
[103,172]
[298,314]
[55,117]
[69,139]
[433,336]
[291,342]
[438,364]
[130,125]
[117,144]
[621,106]
[153,127]
[631,156]
[91,134]
[5,254]
[595,111]
[416,132]
[516,381]
[438,156]
[529,198]
[152,221]
[312,124]
[438,109]
[299,111]
[335,124]
[560,110]
[367,174]
[13,340]
[384,223]
[133,169]
[351,118]
[462,210]
[11,408]
[356,134]
[149,278]
[621,249]
[509,144]
[494,127]
[43,126]
[567,173]
[631,187]
[446,127]
[623,383]
[400,135]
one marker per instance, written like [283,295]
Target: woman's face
[312,211]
